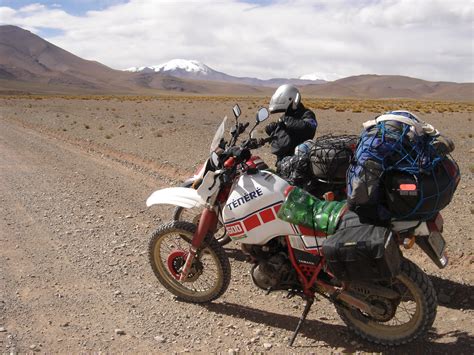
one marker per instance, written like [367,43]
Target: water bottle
[302,208]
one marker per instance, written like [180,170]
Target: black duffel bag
[361,252]
[330,156]
[421,196]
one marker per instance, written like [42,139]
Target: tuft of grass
[108,136]
[86,126]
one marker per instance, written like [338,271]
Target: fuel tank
[250,211]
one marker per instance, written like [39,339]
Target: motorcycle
[191,264]
[316,186]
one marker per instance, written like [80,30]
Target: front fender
[178,196]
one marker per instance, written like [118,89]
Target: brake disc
[176,261]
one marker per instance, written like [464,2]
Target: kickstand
[309,303]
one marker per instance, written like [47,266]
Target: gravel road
[74,274]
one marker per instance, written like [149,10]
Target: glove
[270,128]
[251,143]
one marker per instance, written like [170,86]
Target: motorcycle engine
[272,268]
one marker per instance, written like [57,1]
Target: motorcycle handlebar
[243,127]
[254,143]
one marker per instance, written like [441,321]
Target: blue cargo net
[392,149]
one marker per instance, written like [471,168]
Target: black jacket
[293,128]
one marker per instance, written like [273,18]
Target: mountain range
[192,69]
[30,64]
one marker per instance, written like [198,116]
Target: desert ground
[74,276]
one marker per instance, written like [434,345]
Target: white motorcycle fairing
[178,196]
[250,211]
[184,196]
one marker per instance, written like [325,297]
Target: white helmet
[404,113]
[283,97]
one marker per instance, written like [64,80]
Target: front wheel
[209,276]
[408,316]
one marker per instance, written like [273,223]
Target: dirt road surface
[74,274]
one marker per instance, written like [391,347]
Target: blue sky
[428,39]
[78,7]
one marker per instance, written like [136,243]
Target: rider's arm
[306,124]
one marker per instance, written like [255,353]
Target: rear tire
[416,290]
[210,271]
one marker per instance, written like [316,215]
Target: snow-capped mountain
[193,69]
[320,77]
[188,66]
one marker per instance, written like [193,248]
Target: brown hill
[392,86]
[28,63]
[28,58]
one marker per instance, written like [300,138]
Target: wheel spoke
[207,280]
[404,318]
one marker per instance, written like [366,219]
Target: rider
[295,126]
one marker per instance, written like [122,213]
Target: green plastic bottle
[302,208]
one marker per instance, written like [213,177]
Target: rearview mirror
[236,110]
[262,114]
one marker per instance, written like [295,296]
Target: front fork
[207,222]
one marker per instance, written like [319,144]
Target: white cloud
[32,8]
[431,39]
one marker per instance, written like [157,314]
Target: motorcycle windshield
[218,135]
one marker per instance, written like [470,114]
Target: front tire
[417,304]
[210,271]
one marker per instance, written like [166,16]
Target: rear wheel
[405,318]
[210,272]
